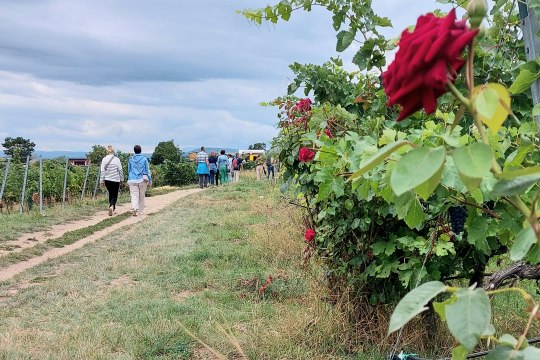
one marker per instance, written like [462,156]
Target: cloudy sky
[74,73]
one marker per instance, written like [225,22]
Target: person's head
[110,149]
[237,154]
[212,153]
[202,148]
[137,149]
[222,152]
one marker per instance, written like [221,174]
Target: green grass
[14,225]
[67,238]
[198,264]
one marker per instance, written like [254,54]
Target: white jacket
[114,170]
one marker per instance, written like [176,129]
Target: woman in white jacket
[111,176]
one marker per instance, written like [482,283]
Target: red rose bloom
[309,235]
[328,133]
[427,59]
[303,105]
[305,154]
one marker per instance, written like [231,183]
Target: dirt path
[152,205]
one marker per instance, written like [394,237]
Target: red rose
[309,235]
[328,133]
[427,59]
[303,105]
[305,154]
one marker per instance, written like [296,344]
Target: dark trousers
[270,170]
[217,178]
[203,180]
[112,188]
[213,177]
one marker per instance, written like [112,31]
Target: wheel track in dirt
[152,205]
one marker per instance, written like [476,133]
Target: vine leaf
[491,104]
[344,40]
[473,162]
[504,352]
[459,353]
[416,167]
[525,78]
[515,186]
[376,159]
[469,316]
[414,303]
[426,189]
[524,240]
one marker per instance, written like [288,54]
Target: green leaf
[473,161]
[514,186]
[349,204]
[477,233]
[536,110]
[414,303]
[426,189]
[415,217]
[524,240]
[523,81]
[440,307]
[329,183]
[469,316]
[511,174]
[382,154]
[344,40]
[509,340]
[416,167]
[459,353]
[517,157]
[504,352]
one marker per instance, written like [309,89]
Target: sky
[74,73]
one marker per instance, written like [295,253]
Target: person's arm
[120,170]
[148,172]
[102,172]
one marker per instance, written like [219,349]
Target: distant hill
[57,154]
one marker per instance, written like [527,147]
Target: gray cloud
[78,73]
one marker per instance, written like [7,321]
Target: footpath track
[153,205]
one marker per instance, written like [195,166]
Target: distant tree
[98,152]
[257,146]
[18,148]
[166,150]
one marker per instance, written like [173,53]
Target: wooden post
[85,180]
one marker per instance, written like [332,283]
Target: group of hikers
[212,170]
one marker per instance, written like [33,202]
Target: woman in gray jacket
[111,176]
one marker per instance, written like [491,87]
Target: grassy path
[74,235]
[197,264]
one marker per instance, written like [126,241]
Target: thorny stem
[525,295]
[522,338]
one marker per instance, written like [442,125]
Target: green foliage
[18,148]
[174,174]
[257,146]
[97,153]
[166,151]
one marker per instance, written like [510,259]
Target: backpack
[235,164]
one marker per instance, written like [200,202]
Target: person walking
[202,168]
[237,167]
[139,178]
[212,164]
[223,165]
[259,169]
[269,168]
[111,175]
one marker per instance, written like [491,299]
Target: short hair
[222,152]
[202,148]
[110,149]
[137,149]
